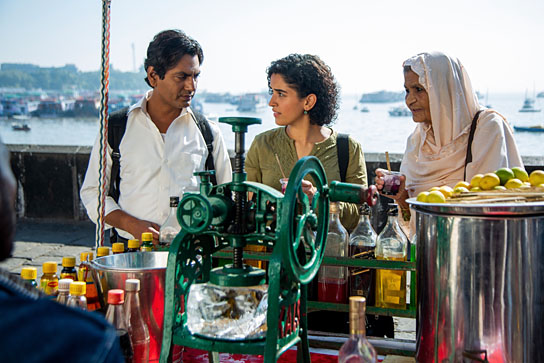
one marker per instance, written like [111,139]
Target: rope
[104,94]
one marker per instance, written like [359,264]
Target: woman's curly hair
[308,74]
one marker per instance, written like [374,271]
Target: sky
[364,42]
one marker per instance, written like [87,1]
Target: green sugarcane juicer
[223,217]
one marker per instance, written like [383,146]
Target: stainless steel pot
[480,282]
[110,272]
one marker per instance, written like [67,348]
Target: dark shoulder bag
[470,138]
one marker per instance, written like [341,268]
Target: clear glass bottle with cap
[118,247]
[147,242]
[29,275]
[170,228]
[362,244]
[391,245]
[133,245]
[332,280]
[77,297]
[117,317]
[137,329]
[84,275]
[49,282]
[68,268]
[357,349]
[64,291]
[102,251]
[82,269]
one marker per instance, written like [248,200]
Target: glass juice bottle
[170,228]
[77,297]
[49,282]
[118,247]
[147,242]
[29,275]
[116,316]
[64,291]
[332,280]
[392,246]
[68,268]
[357,349]
[137,329]
[93,303]
[362,244]
[133,245]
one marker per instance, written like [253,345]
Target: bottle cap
[393,210]
[29,273]
[174,201]
[147,236]
[116,297]
[68,261]
[364,209]
[90,256]
[78,288]
[132,285]
[64,284]
[83,256]
[102,251]
[118,247]
[133,243]
[334,207]
[49,267]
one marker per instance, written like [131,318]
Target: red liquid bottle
[333,280]
[117,317]
[137,329]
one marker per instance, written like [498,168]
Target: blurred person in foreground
[162,146]
[441,151]
[33,327]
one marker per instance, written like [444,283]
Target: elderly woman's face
[416,98]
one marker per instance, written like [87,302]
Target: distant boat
[540,95]
[528,106]
[399,111]
[251,102]
[538,128]
[382,97]
[20,126]
[365,109]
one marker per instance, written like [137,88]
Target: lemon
[446,190]
[422,197]
[463,184]
[433,189]
[475,181]
[475,189]
[536,177]
[505,174]
[513,184]
[459,190]
[489,181]
[526,185]
[499,187]
[520,173]
[435,197]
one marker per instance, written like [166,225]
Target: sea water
[375,130]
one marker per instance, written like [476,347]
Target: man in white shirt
[162,146]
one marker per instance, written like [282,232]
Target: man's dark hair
[167,48]
[308,74]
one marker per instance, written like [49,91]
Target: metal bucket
[480,282]
[110,272]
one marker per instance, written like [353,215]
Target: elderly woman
[455,138]
[304,102]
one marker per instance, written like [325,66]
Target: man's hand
[134,226]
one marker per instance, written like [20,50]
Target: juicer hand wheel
[194,213]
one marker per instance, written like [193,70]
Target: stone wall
[49,179]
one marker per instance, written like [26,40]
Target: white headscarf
[435,154]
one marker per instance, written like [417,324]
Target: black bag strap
[206,131]
[342,146]
[117,124]
[470,139]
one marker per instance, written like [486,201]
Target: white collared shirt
[154,167]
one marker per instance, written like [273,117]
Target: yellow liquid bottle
[147,242]
[391,245]
[49,282]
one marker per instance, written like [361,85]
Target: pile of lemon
[501,179]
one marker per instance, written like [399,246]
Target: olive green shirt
[262,166]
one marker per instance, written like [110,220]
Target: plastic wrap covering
[229,313]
